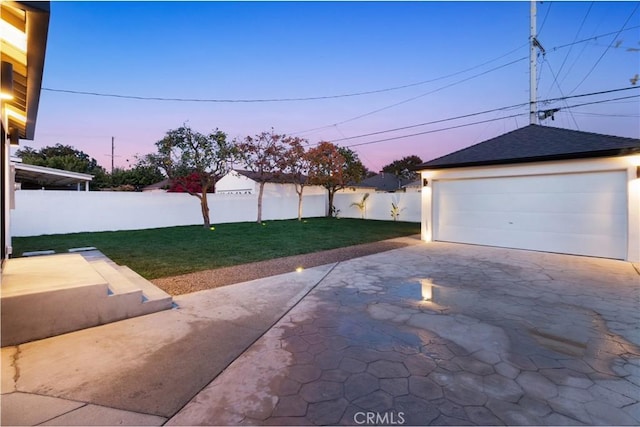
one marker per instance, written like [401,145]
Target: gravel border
[209,279]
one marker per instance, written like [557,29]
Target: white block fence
[57,212]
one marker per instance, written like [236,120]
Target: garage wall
[492,191]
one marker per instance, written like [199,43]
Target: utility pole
[533,119]
[113,149]
[113,155]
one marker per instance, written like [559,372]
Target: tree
[295,164]
[191,183]
[66,158]
[334,168]
[143,173]
[404,168]
[262,154]
[183,152]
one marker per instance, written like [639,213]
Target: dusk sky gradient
[259,50]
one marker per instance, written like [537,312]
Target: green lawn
[162,252]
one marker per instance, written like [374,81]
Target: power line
[584,113]
[464,116]
[412,98]
[555,80]
[452,84]
[546,15]
[292,99]
[482,121]
[607,49]
[311,98]
[553,49]
[435,130]
[571,47]
[599,102]
[471,124]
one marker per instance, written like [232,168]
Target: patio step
[155,299]
[51,295]
[118,284]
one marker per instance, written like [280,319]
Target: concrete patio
[508,337]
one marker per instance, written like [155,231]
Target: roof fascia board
[53,172]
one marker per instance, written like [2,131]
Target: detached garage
[538,188]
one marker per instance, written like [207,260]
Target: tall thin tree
[295,165]
[262,154]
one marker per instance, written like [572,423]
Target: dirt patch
[209,279]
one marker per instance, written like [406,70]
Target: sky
[424,62]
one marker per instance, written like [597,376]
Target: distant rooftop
[269,177]
[383,182]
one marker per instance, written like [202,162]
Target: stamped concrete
[150,365]
[508,337]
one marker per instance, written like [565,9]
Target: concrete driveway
[507,337]
[510,337]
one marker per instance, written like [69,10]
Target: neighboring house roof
[165,183]
[535,143]
[383,182]
[285,178]
[48,176]
[414,184]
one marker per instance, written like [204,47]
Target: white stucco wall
[557,168]
[378,206]
[55,212]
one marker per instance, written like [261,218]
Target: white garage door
[580,213]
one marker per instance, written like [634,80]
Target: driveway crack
[14,365]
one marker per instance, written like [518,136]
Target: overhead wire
[478,113]
[258,100]
[584,19]
[476,123]
[555,80]
[607,49]
[419,96]
[544,20]
[311,98]
[434,130]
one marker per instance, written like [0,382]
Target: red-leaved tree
[194,161]
[334,168]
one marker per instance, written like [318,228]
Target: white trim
[54,172]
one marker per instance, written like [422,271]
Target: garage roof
[536,143]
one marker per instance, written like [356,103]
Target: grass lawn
[163,252]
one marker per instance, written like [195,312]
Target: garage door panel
[582,214]
[608,203]
[583,223]
[591,245]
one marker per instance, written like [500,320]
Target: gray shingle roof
[535,143]
[282,178]
[383,182]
